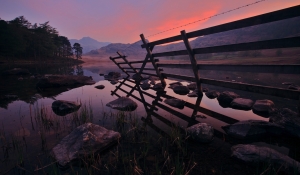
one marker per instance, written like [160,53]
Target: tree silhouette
[78,50]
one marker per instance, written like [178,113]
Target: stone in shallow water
[181,90]
[173,85]
[158,87]
[252,153]
[145,85]
[85,140]
[192,86]
[242,103]
[201,132]
[212,94]
[226,97]
[63,107]
[175,102]
[100,87]
[251,129]
[123,104]
[263,107]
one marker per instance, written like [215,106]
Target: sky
[122,21]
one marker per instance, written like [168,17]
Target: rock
[87,139]
[175,102]
[193,94]
[114,74]
[212,94]
[145,85]
[16,71]
[173,85]
[287,119]
[181,90]
[123,104]
[158,87]
[226,97]
[200,116]
[62,107]
[201,132]
[294,87]
[205,89]
[101,74]
[254,154]
[263,107]
[241,103]
[100,86]
[287,83]
[153,78]
[114,82]
[192,86]
[136,77]
[251,129]
[53,81]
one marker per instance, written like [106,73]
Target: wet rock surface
[53,81]
[226,97]
[178,103]
[137,77]
[123,104]
[242,103]
[173,85]
[181,90]
[287,119]
[201,132]
[114,82]
[253,129]
[205,89]
[252,154]
[158,87]
[145,85]
[16,71]
[100,87]
[112,76]
[63,107]
[193,94]
[212,94]
[192,86]
[263,107]
[85,140]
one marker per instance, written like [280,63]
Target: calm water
[18,118]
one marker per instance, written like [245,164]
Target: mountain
[274,30]
[88,44]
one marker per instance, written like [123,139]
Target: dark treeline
[21,39]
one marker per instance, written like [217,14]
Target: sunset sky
[124,20]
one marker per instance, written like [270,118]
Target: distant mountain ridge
[88,44]
[274,30]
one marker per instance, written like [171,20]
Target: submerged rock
[175,102]
[251,129]
[263,107]
[113,82]
[205,89]
[100,87]
[158,87]
[287,119]
[123,104]
[173,85]
[226,97]
[241,103]
[252,154]
[181,90]
[145,85]
[192,86]
[53,81]
[136,77]
[86,139]
[16,71]
[62,107]
[193,94]
[201,132]
[212,94]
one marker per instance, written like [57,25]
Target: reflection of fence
[258,45]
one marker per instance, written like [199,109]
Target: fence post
[193,60]
[163,82]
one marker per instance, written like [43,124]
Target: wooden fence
[191,52]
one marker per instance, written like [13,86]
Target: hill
[88,44]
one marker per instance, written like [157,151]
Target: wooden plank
[247,22]
[182,77]
[267,90]
[114,58]
[282,69]
[193,60]
[137,62]
[268,44]
[149,52]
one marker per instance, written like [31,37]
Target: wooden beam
[193,60]
[247,22]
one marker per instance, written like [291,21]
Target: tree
[78,50]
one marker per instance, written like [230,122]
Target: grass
[140,151]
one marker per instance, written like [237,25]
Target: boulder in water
[181,90]
[175,102]
[62,107]
[241,103]
[201,132]
[123,104]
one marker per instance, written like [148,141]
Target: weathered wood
[163,82]
[282,69]
[258,45]
[193,60]
[247,22]
[267,90]
[113,58]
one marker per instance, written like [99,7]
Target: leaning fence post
[193,60]
[163,82]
